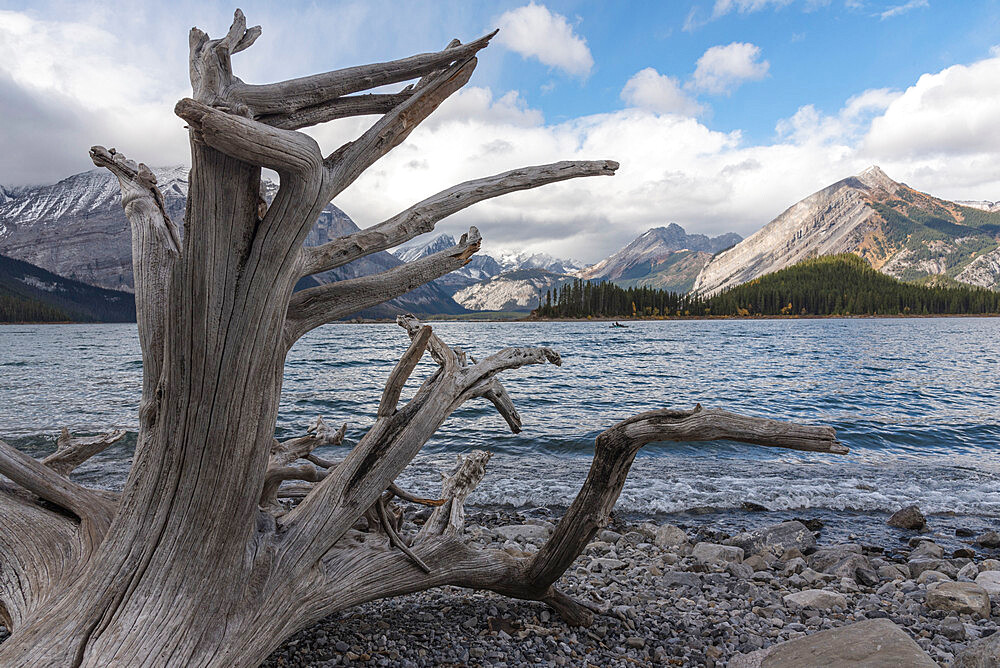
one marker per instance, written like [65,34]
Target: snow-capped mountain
[76,228]
[479,268]
[900,231]
[662,257]
[514,261]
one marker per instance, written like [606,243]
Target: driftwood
[225,541]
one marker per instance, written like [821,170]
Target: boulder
[818,599]
[908,518]
[680,579]
[843,561]
[989,565]
[989,539]
[525,533]
[776,539]
[874,642]
[961,597]
[928,577]
[918,566]
[713,553]
[668,535]
[990,581]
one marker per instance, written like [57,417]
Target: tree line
[830,285]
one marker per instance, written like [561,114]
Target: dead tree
[198,561]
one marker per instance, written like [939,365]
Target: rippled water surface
[916,400]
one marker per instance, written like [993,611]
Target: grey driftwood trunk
[202,559]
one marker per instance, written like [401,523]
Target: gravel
[660,606]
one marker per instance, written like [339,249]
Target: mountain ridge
[898,230]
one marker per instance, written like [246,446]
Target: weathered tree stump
[205,559]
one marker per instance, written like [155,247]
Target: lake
[917,401]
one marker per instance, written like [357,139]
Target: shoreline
[669,595]
[452,318]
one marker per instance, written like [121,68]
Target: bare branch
[402,371]
[313,307]
[155,250]
[71,452]
[348,162]
[616,449]
[394,538]
[39,479]
[284,151]
[341,107]
[392,442]
[292,96]
[421,218]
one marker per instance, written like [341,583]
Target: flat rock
[908,518]
[927,550]
[960,597]
[714,553]
[668,535]
[843,561]
[776,539]
[874,643]
[819,599]
[680,579]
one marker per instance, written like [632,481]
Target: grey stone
[931,577]
[927,550]
[990,581]
[873,643]
[908,518]
[983,653]
[820,599]
[961,597]
[707,553]
[527,533]
[680,579]
[668,535]
[989,539]
[776,539]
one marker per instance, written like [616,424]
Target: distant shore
[476,318]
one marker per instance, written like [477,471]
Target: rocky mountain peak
[875,178]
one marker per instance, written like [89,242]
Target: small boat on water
[618,324]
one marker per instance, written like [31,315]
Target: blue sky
[722,112]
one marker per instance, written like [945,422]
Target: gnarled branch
[71,452]
[421,218]
[317,306]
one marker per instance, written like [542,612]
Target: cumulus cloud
[535,32]
[938,135]
[721,69]
[648,89]
[902,9]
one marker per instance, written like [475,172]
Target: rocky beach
[688,594]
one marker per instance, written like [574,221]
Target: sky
[722,113]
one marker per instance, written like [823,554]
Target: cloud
[722,69]
[535,32]
[723,7]
[648,89]
[902,9]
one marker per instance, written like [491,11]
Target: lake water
[916,400]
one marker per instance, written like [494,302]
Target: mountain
[479,268]
[516,261]
[663,257]
[76,228]
[32,294]
[899,231]
[517,290]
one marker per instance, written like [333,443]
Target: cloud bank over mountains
[66,84]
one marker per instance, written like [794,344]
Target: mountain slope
[896,229]
[843,285]
[512,291]
[662,257]
[29,293]
[76,228]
